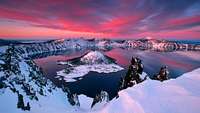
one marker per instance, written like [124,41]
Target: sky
[45,19]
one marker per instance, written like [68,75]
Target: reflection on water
[178,63]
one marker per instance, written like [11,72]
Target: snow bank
[181,95]
[55,102]
[85,103]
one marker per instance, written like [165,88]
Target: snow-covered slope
[22,85]
[181,95]
[53,45]
[24,82]
[24,88]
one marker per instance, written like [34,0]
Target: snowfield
[181,95]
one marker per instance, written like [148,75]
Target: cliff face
[22,79]
[31,49]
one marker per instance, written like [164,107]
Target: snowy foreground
[181,95]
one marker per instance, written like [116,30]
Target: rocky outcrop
[100,99]
[162,75]
[133,75]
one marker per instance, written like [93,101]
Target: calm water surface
[178,62]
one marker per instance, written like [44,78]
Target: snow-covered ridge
[28,49]
[52,45]
[23,80]
[181,95]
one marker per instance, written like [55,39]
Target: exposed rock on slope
[24,79]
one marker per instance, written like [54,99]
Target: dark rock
[162,75]
[72,98]
[133,74]
[102,97]
[21,105]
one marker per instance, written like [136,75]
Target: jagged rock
[72,98]
[163,74]
[103,97]
[10,61]
[20,103]
[133,74]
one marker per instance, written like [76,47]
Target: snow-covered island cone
[96,57]
[91,61]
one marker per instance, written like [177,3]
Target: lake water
[178,62]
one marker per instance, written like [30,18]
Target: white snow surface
[85,103]
[181,95]
[3,49]
[94,57]
[82,70]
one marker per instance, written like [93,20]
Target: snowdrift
[181,95]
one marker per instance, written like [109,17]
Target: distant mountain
[31,48]
[8,42]
[161,45]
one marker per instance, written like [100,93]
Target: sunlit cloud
[179,19]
